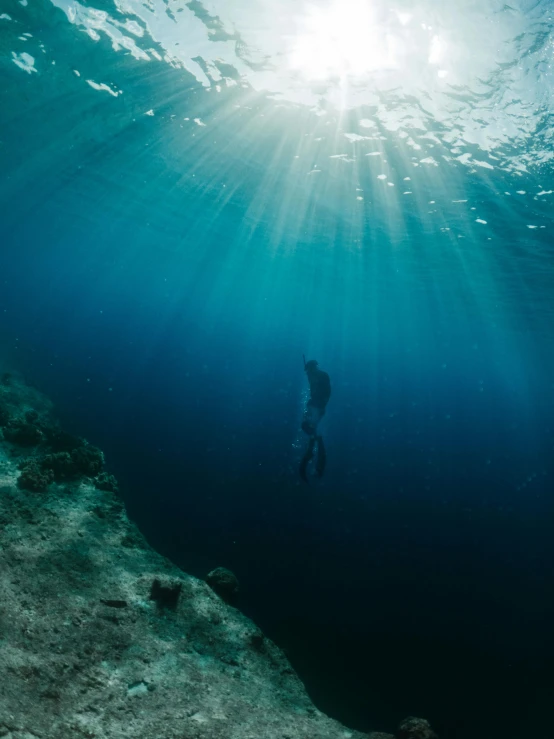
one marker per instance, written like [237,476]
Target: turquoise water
[193,195]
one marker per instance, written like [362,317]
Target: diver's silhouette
[320,392]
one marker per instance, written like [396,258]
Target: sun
[341,40]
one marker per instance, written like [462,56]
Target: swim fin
[321,457]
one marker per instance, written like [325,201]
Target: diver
[320,392]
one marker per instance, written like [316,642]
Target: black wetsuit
[320,388]
[320,392]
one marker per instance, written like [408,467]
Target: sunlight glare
[342,40]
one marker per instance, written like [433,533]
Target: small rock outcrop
[223,582]
[415,728]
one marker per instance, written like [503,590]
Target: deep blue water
[161,279]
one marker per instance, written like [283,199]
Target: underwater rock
[114,603]
[257,639]
[33,477]
[5,414]
[223,582]
[82,461]
[60,464]
[107,482]
[31,417]
[60,441]
[19,431]
[166,594]
[415,728]
[380,735]
[88,460]
[39,472]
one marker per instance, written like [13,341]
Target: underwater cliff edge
[103,637]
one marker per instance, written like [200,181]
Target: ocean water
[194,195]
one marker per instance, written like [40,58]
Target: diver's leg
[321,457]
[306,459]
[309,422]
